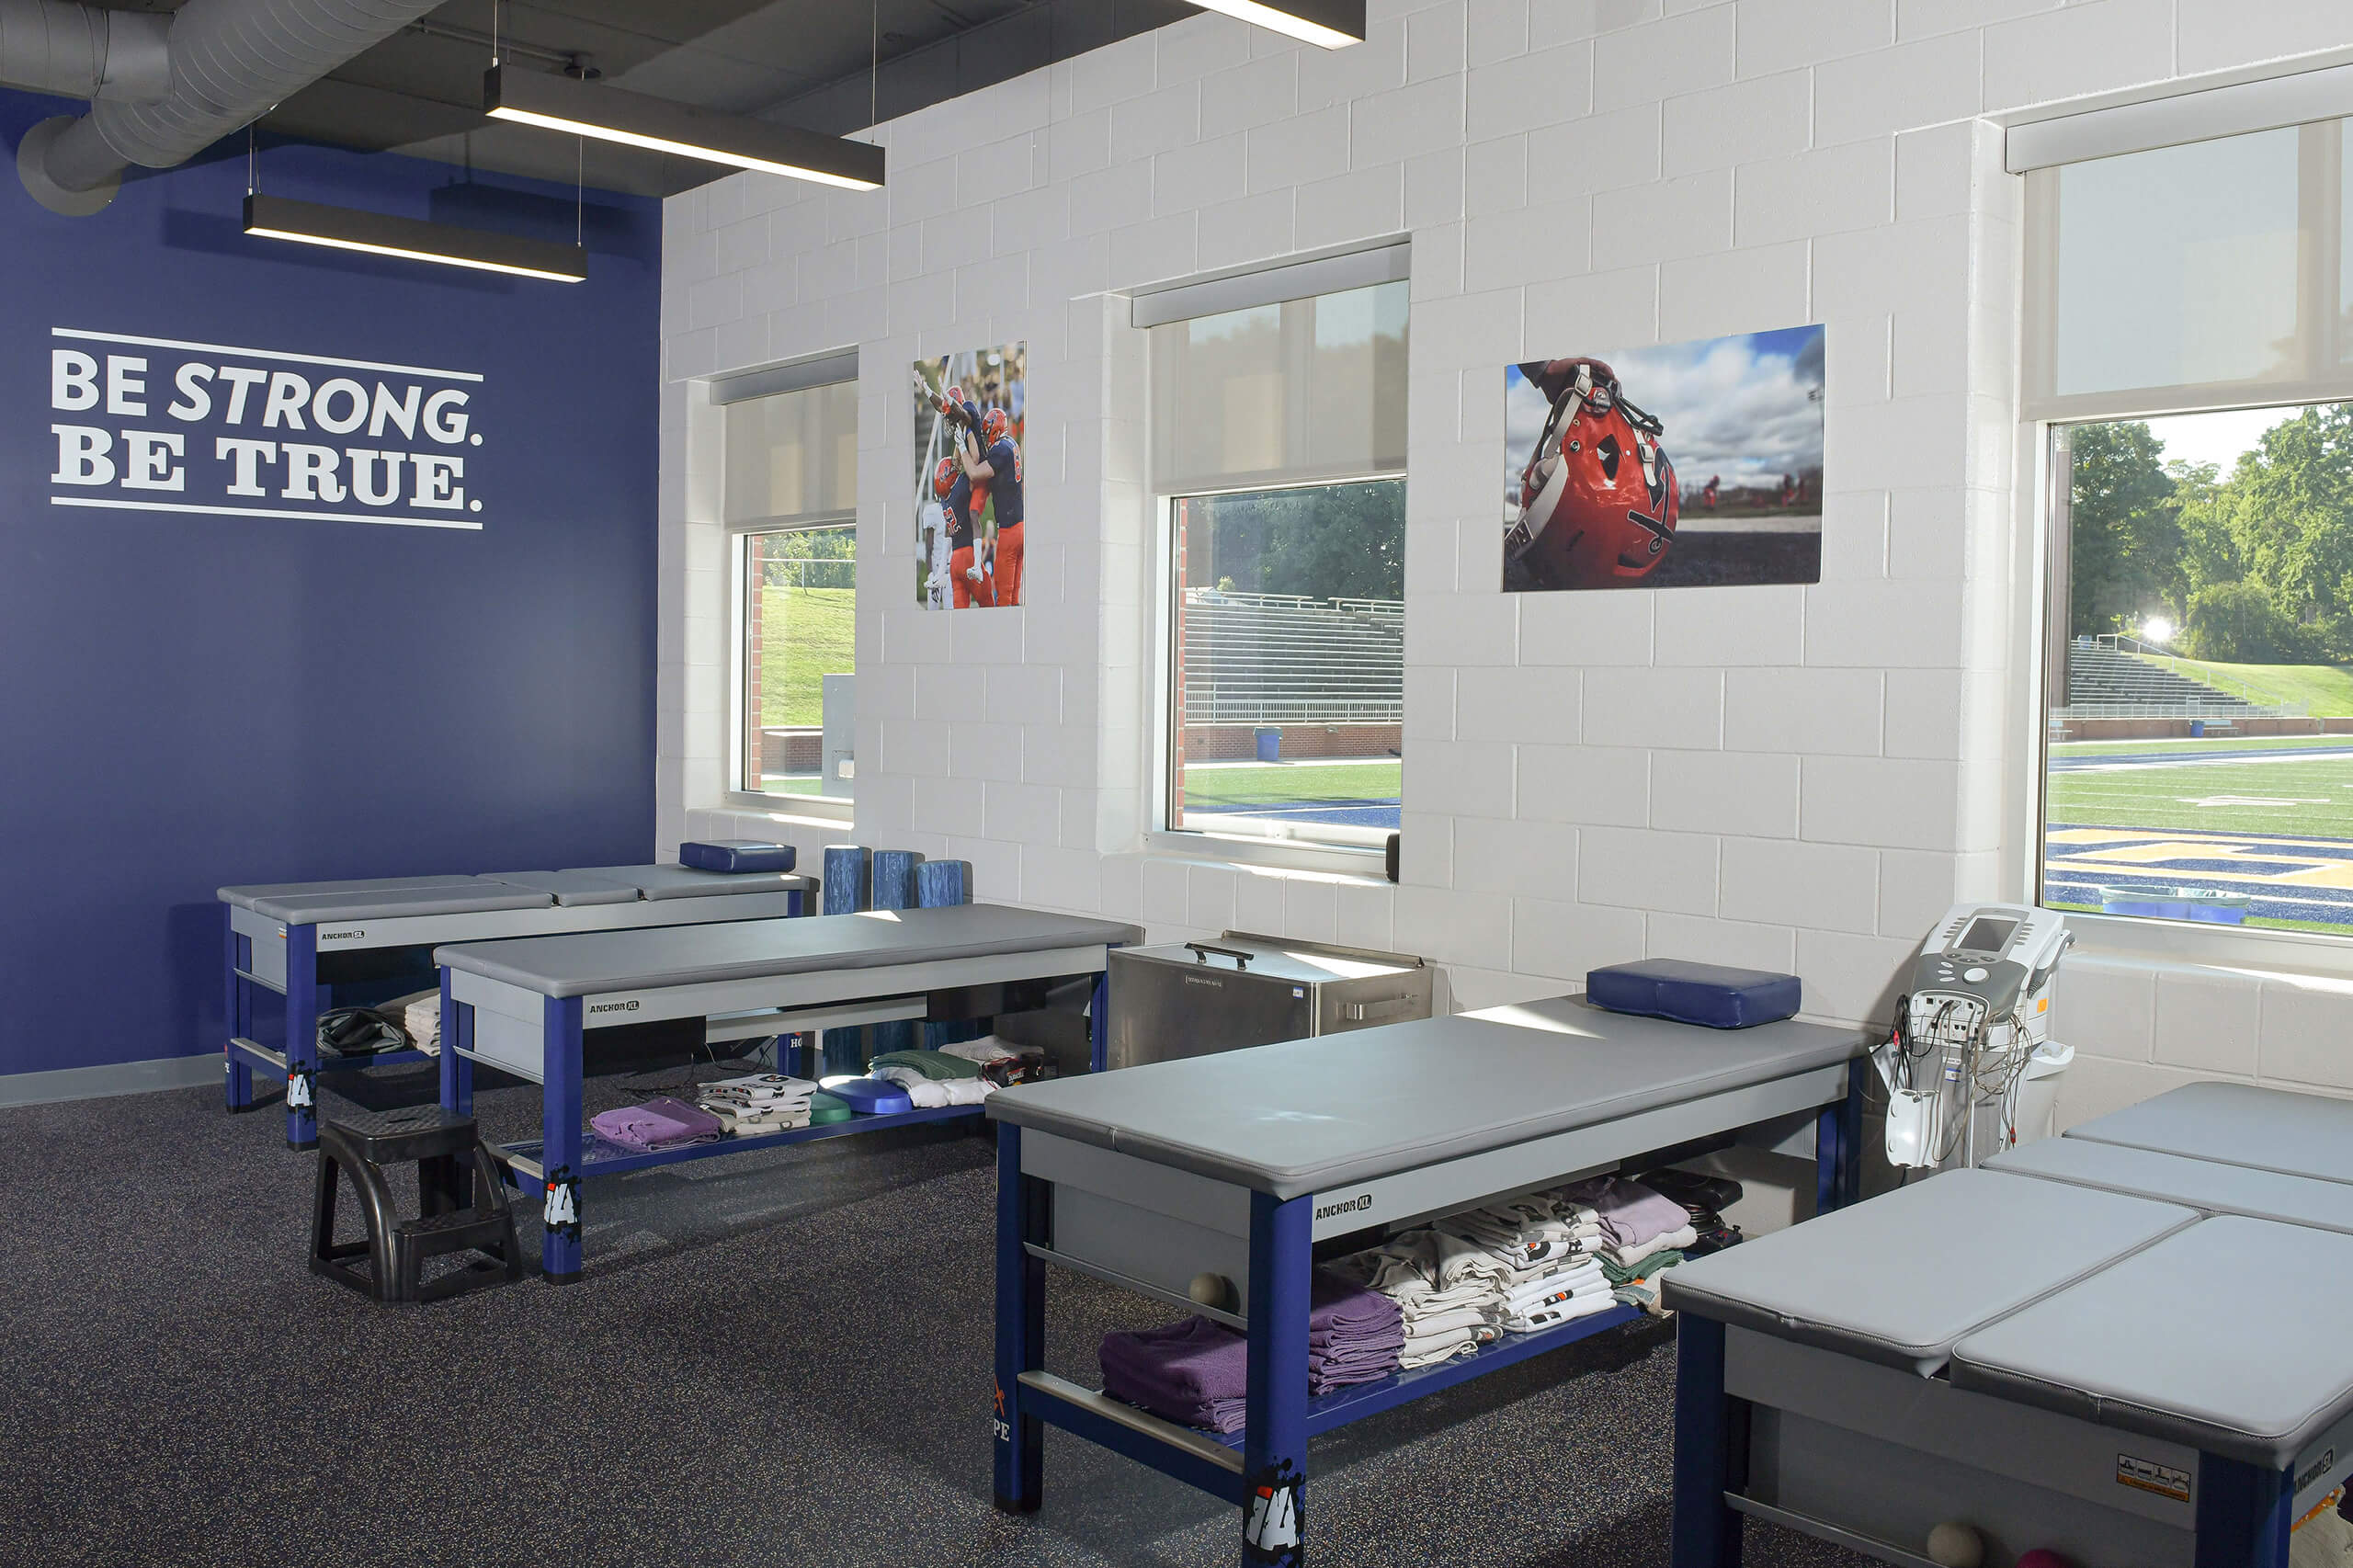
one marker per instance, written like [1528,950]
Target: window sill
[2181,943]
[812,810]
[1288,855]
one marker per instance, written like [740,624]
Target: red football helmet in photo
[1597,500]
[944,475]
[993,425]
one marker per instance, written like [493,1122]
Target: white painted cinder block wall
[1797,777]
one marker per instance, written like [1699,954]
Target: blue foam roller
[939,883]
[737,854]
[849,886]
[894,877]
[1687,992]
[850,872]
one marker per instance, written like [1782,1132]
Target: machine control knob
[1974,976]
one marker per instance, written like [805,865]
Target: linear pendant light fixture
[347,228]
[1332,24]
[615,114]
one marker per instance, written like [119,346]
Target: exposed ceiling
[831,65]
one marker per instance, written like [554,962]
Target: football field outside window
[1286,690]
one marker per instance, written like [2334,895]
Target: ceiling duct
[231,62]
[54,46]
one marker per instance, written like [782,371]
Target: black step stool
[464,1203]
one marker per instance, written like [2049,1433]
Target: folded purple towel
[657,1126]
[1197,1371]
[703,1123]
[1630,1214]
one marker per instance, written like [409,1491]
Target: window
[1279,437]
[789,500]
[2198,754]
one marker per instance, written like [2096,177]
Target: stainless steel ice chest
[1194,998]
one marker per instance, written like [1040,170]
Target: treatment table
[2131,1358]
[1237,1164]
[305,939]
[2236,1124]
[525,1006]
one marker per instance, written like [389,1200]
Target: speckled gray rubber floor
[781,1359]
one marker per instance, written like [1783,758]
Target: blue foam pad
[870,1097]
[1705,993]
[736,855]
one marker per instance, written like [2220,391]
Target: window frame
[1303,854]
[825,370]
[2045,489]
[837,808]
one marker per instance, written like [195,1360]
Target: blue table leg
[1826,1128]
[1098,1022]
[1019,1439]
[1850,1139]
[457,1068]
[1274,1444]
[236,1019]
[1708,1449]
[562,1139]
[302,1037]
[2244,1515]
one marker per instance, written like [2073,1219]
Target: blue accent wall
[188,700]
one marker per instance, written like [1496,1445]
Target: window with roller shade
[788,498]
[2189,361]
[1278,443]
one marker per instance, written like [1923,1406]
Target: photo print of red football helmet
[1597,499]
[944,474]
[993,425]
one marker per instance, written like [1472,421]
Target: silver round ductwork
[227,64]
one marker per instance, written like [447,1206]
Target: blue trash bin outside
[1270,742]
[2197,728]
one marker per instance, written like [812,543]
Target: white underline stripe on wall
[262,512]
[262,354]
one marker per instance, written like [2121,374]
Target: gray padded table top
[2237,1124]
[594,962]
[473,896]
[1310,1115]
[2262,1304]
[572,887]
[1898,1280]
[2204,1184]
[244,897]
[685,882]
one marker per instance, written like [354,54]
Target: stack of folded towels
[657,1126]
[933,1077]
[1198,1372]
[1444,1292]
[1532,1263]
[1704,1197]
[1000,1063]
[1538,1252]
[417,1016]
[1643,1234]
[765,1102]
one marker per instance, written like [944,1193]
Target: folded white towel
[988,1047]
[929,1094]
